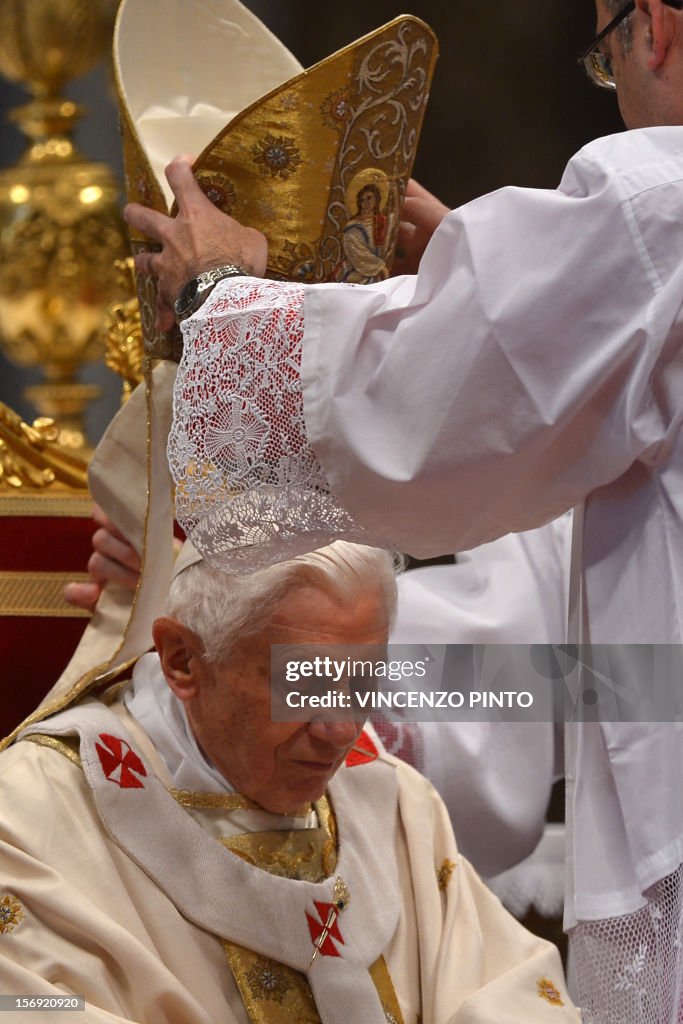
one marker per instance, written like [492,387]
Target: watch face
[196,291]
[187,296]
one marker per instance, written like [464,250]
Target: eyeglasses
[598,65]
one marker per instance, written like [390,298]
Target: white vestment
[533,365]
[494,777]
[115,892]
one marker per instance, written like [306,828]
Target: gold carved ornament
[32,458]
[60,224]
[38,477]
[123,346]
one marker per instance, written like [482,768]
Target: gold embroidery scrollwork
[548,990]
[222,801]
[381,118]
[296,854]
[274,993]
[11,913]
[443,875]
[267,980]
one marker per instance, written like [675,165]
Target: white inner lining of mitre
[187,67]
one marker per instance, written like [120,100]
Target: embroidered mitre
[318,159]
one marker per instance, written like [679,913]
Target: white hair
[222,608]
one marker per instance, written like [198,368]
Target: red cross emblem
[119,763]
[325,927]
[362,752]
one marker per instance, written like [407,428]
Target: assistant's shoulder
[640,159]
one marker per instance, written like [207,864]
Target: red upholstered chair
[45,533]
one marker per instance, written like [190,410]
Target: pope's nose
[338,734]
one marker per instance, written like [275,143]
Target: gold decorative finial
[31,457]
[124,348]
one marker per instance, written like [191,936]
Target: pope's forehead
[311,611]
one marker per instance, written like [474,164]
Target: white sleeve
[533,359]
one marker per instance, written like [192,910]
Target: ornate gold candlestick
[60,226]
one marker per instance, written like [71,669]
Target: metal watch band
[229,270]
[198,289]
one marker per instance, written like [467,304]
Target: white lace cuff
[249,489]
[629,969]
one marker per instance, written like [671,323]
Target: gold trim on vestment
[309,854]
[224,801]
[39,593]
[69,747]
[274,993]
[379,972]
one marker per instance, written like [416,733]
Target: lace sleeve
[249,489]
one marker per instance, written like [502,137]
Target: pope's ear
[179,651]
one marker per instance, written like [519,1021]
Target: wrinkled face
[283,766]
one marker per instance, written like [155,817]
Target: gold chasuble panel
[272,992]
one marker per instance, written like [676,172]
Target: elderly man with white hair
[172,854]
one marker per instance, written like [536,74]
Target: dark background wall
[509,104]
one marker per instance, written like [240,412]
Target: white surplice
[494,777]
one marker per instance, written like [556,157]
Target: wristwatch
[197,290]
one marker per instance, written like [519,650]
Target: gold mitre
[318,160]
